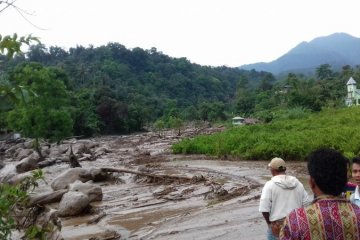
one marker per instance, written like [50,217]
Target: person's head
[277,166]
[355,172]
[328,171]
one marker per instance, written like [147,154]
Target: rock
[73,203]
[50,217]
[23,153]
[79,148]
[27,164]
[92,191]
[71,175]
[101,151]
[7,172]
[19,178]
[11,151]
[28,144]
[83,174]
[98,175]
[46,152]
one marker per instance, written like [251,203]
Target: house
[353,94]
[238,121]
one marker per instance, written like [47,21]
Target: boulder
[73,203]
[7,172]
[83,174]
[23,153]
[11,150]
[92,191]
[47,219]
[19,178]
[71,175]
[27,164]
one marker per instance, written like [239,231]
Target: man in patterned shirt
[330,216]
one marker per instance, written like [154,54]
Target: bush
[14,211]
[292,138]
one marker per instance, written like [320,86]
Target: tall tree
[324,72]
[43,110]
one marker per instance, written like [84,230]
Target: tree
[86,121]
[176,123]
[11,45]
[324,72]
[43,111]
[159,125]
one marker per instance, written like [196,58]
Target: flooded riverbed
[223,206]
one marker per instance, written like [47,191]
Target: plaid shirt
[326,218]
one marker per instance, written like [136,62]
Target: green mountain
[337,50]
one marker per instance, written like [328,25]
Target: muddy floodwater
[223,206]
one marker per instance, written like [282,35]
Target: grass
[291,139]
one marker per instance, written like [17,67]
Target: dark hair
[281,169]
[356,160]
[328,168]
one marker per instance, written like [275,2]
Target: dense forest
[111,89]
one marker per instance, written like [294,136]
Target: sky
[207,32]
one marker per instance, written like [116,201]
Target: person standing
[279,196]
[330,216]
[355,173]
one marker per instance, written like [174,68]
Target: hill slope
[337,49]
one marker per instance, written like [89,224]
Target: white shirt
[281,195]
[355,197]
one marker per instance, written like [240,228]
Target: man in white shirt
[279,196]
[355,173]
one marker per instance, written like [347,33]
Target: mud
[225,206]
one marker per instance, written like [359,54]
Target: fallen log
[96,219]
[156,176]
[45,198]
[47,162]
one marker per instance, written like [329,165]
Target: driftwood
[156,176]
[73,160]
[46,198]
[97,218]
[47,162]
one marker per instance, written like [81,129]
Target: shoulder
[293,227]
[269,184]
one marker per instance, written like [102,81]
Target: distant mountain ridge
[337,49]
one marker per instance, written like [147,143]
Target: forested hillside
[117,90]
[111,89]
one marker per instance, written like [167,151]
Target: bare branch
[7,4]
[22,12]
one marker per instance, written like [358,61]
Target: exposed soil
[221,202]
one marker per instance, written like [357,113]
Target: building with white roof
[353,94]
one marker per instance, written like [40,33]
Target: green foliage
[11,45]
[288,138]
[86,121]
[159,125]
[13,199]
[119,90]
[43,110]
[176,123]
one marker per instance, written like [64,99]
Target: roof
[351,81]
[237,118]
